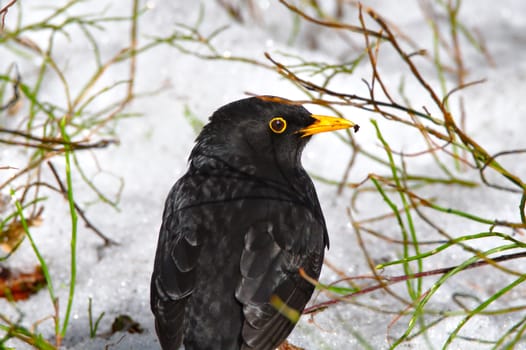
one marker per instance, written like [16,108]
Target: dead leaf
[18,285]
[14,108]
[288,346]
[15,233]
[124,323]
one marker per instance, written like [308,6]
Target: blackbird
[236,229]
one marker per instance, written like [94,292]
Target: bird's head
[261,131]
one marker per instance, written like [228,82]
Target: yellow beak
[324,123]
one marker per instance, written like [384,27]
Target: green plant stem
[74,219]
[43,265]
[482,306]
[14,331]
[93,326]
[453,242]
[419,307]
[407,208]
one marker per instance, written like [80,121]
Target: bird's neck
[262,167]
[238,154]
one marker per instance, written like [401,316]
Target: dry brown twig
[3,13]
[332,24]
[107,241]
[384,281]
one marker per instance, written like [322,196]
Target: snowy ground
[154,149]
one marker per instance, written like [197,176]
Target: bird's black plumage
[236,229]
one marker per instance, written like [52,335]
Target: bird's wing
[290,237]
[173,278]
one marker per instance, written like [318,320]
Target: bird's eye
[277,125]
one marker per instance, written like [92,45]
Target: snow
[154,148]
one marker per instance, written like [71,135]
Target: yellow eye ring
[277,125]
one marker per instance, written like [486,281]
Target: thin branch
[332,24]
[63,190]
[386,280]
[3,13]
[16,92]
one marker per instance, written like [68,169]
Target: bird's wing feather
[274,250]
[173,278]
